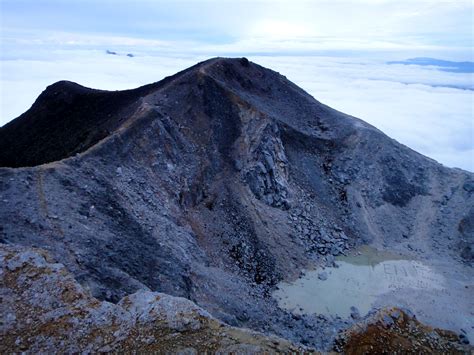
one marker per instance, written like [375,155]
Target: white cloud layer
[413,104]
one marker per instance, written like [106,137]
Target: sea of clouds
[422,106]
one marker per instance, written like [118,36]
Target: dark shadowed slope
[216,184]
[67,119]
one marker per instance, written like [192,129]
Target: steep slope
[216,184]
[67,119]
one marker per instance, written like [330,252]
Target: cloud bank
[427,109]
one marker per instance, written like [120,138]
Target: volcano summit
[218,185]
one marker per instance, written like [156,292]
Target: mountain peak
[221,182]
[68,118]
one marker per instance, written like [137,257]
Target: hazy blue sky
[336,50]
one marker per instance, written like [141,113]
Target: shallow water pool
[361,281]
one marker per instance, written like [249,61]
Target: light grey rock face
[262,159]
[214,185]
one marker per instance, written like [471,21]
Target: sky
[352,55]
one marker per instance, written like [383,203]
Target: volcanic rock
[46,310]
[214,185]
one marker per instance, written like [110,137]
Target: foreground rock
[44,310]
[393,331]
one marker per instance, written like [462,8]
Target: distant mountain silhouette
[444,65]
